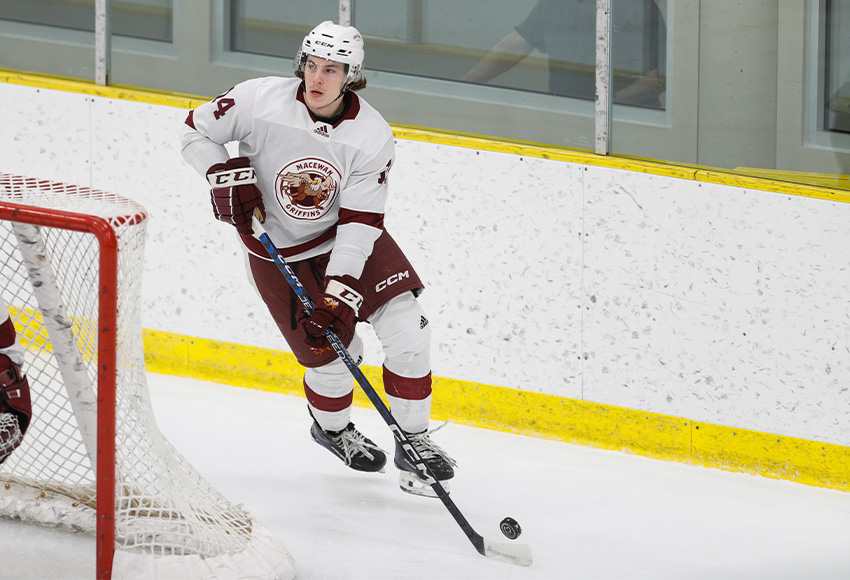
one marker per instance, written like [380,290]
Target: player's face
[323,82]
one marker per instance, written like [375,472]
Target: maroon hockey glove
[235,193]
[15,406]
[336,308]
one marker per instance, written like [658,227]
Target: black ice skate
[355,450]
[438,461]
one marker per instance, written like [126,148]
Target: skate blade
[414,485]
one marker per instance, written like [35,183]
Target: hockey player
[15,405]
[314,158]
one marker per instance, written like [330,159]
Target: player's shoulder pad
[379,129]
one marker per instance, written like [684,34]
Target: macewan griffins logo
[307,188]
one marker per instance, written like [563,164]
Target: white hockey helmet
[334,42]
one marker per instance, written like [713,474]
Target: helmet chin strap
[341,94]
[343,90]
[347,82]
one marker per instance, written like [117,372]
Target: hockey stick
[519,554]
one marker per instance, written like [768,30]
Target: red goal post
[107,318]
[93,459]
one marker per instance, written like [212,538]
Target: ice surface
[586,513]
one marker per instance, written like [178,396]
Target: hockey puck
[510,527]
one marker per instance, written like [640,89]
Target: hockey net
[72,263]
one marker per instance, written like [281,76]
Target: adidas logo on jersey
[423,322]
[323,131]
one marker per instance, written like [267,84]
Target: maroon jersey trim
[350,113]
[256,247]
[350,216]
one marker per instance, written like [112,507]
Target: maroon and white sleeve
[226,118]
[361,215]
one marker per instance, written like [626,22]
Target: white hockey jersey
[324,185]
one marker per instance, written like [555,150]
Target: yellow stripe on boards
[110,92]
[751,182]
[679,171]
[541,151]
[222,362]
[776,456]
[234,364]
[528,413]
[34,335]
[29,325]
[561,418]
[483,143]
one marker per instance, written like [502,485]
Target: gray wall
[741,89]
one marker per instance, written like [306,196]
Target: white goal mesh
[62,277]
